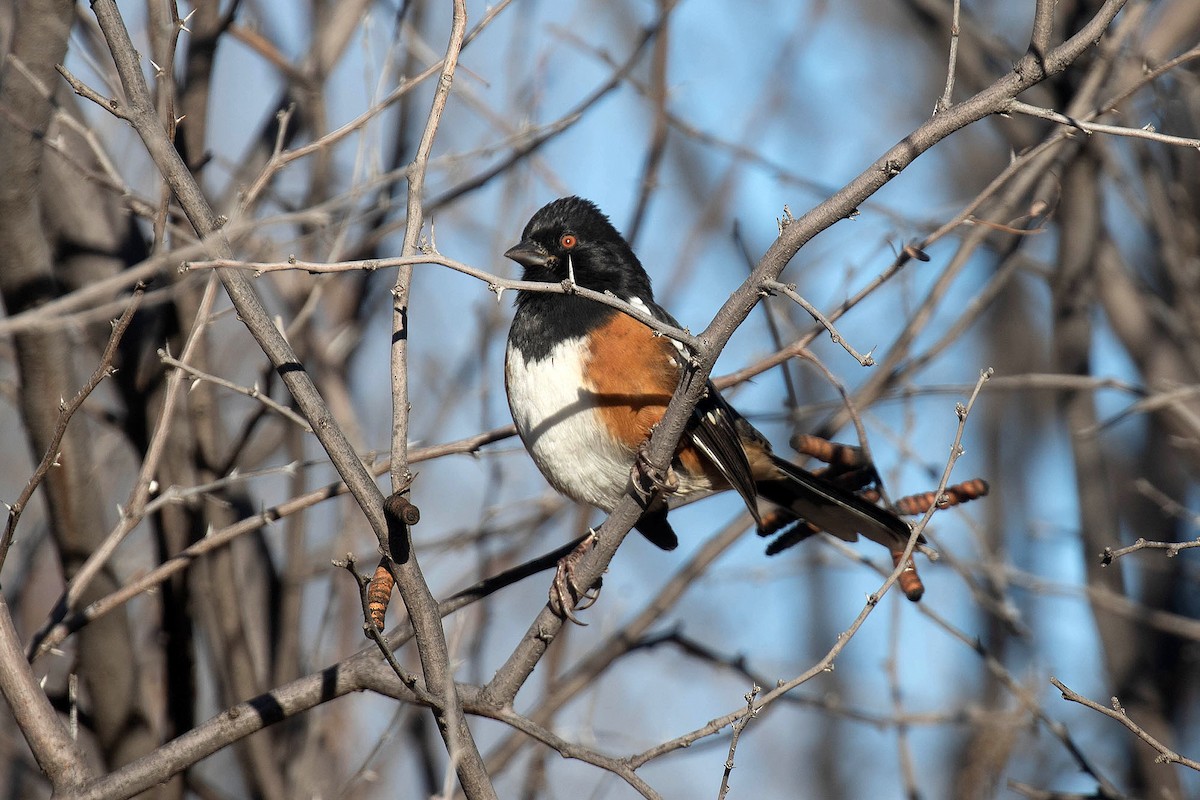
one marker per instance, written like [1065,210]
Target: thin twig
[789,290]
[1173,549]
[111,104]
[1165,754]
[1034,793]
[947,98]
[252,392]
[67,410]
[1089,128]
[738,727]
[496,284]
[1168,504]
[178,494]
[110,173]
[1174,399]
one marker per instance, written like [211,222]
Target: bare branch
[495,283]
[1165,754]
[947,99]
[109,104]
[65,412]
[252,392]
[57,753]
[1173,549]
[738,727]
[1089,128]
[789,291]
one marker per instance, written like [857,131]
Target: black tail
[830,507]
[654,526]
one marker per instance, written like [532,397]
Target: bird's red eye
[568,241]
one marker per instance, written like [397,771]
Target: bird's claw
[648,478]
[565,594]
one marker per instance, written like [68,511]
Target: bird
[587,383]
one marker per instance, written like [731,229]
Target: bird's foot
[648,478]
[565,593]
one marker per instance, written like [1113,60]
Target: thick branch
[57,754]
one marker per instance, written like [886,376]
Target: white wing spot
[640,304]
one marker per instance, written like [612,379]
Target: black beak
[529,254]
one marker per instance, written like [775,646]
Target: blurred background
[694,125]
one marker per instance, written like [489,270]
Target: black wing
[714,430]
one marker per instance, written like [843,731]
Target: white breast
[560,425]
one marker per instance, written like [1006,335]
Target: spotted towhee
[587,383]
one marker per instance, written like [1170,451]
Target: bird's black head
[571,237]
